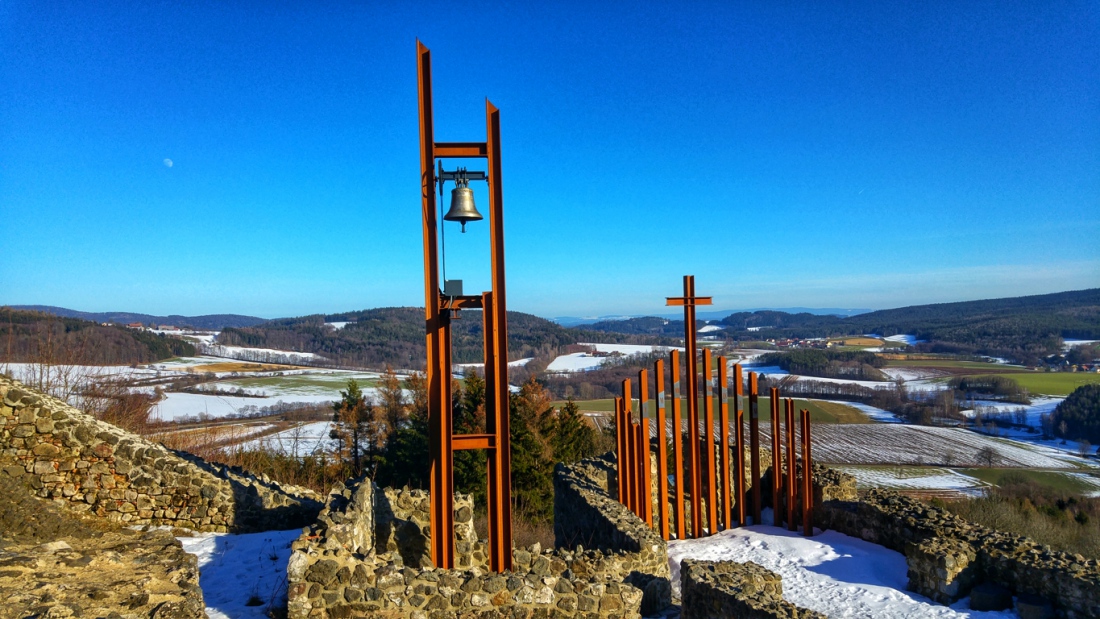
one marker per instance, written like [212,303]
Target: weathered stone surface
[990,596]
[70,456]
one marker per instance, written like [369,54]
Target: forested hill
[212,322]
[38,337]
[395,336]
[1019,328]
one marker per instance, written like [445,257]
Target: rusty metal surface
[690,301]
[724,443]
[643,446]
[789,481]
[807,477]
[678,447]
[662,448]
[739,445]
[777,458]
[754,446]
[709,465]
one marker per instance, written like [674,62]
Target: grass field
[300,381]
[859,341]
[952,364]
[1053,383]
[820,412]
[1058,481]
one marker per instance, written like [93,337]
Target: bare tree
[987,456]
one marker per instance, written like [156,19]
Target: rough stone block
[990,596]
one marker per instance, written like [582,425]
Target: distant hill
[1023,329]
[395,336]
[701,315]
[212,322]
[38,337]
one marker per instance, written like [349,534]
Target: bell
[462,207]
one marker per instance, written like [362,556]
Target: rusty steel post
[677,447]
[643,422]
[437,374]
[500,496]
[807,478]
[754,446]
[620,450]
[662,449]
[628,434]
[739,443]
[791,477]
[724,442]
[708,432]
[777,460]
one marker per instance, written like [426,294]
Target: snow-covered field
[242,576]
[908,478]
[831,573]
[1067,344]
[303,440]
[269,355]
[176,405]
[583,362]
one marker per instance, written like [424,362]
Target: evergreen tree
[405,460]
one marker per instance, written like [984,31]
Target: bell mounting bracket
[460,176]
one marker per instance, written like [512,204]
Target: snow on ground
[628,349]
[176,405]
[1039,406]
[518,363]
[831,573]
[253,354]
[337,325]
[906,478]
[876,414]
[1067,344]
[241,576]
[907,339]
[910,374]
[303,440]
[710,328]
[575,362]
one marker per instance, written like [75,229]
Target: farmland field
[820,411]
[1073,483]
[1053,383]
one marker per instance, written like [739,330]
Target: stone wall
[368,553]
[67,455]
[948,556]
[54,563]
[728,589]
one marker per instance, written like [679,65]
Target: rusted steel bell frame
[726,504]
[438,312]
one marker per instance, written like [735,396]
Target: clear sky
[262,157]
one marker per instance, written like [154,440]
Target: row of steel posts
[726,507]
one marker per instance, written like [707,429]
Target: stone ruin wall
[368,553]
[730,589]
[97,468]
[948,556]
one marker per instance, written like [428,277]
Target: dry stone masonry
[728,589]
[948,556]
[67,455]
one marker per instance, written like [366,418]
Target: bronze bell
[462,206]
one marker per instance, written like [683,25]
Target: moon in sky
[167,163]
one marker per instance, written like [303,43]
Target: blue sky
[787,154]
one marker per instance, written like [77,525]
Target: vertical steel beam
[436,325]
[807,478]
[631,441]
[501,423]
[790,480]
[708,433]
[754,446]
[724,442]
[739,443]
[777,460]
[620,451]
[662,449]
[678,447]
[643,422]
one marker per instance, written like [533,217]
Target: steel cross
[689,301]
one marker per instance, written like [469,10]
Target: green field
[820,412]
[1053,383]
[1054,480]
[952,364]
[300,381]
